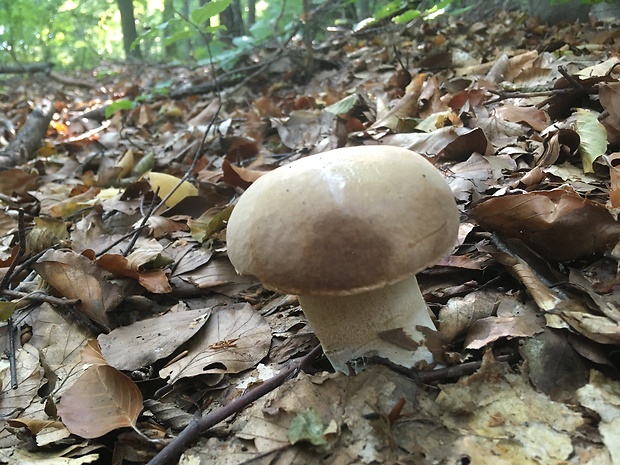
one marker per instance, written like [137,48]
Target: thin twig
[21,235]
[456,371]
[121,239]
[11,354]
[174,449]
[138,230]
[571,79]
[440,374]
[26,264]
[4,284]
[40,296]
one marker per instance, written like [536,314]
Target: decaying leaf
[59,340]
[218,272]
[601,396]
[151,339]
[210,222]
[235,338]
[553,365]
[54,457]
[29,377]
[307,426]
[495,403]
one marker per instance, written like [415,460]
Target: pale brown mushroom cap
[343,222]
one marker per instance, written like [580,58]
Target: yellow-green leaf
[166,183]
[6,310]
[593,138]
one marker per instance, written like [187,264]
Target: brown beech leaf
[101,400]
[463,146]
[239,177]
[486,330]
[558,224]
[154,281]
[77,277]
[239,148]
[532,116]
[17,180]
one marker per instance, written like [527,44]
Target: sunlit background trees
[83,33]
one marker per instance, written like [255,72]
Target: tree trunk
[128,26]
[171,49]
[364,9]
[232,19]
[251,12]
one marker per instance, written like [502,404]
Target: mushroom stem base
[368,324]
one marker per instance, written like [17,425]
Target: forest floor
[130,338]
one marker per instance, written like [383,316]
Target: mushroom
[346,231]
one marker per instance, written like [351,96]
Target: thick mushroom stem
[349,327]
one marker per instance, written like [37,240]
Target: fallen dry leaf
[486,330]
[234,339]
[63,269]
[101,400]
[155,281]
[558,224]
[601,396]
[151,339]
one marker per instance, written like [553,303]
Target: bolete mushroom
[346,231]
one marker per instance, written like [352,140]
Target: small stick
[40,296]
[574,82]
[457,371]
[21,250]
[138,231]
[11,353]
[197,426]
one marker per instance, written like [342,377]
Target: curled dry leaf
[101,400]
[558,224]
[239,177]
[234,339]
[35,426]
[463,146]
[154,281]
[593,137]
[77,277]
